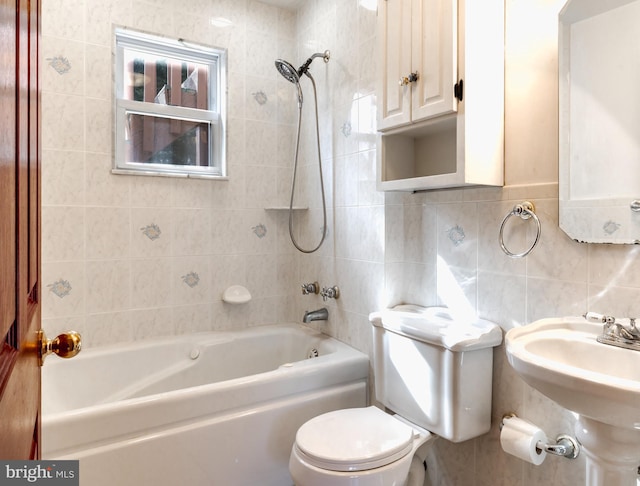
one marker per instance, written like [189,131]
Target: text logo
[51,473]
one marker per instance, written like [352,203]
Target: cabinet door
[394,31]
[434,56]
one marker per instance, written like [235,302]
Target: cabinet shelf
[419,157]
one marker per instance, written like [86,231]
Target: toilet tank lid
[440,326]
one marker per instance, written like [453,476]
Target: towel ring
[525,210]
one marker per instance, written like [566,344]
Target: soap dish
[236,294]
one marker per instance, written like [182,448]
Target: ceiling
[290,4]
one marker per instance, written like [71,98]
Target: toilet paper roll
[519,438]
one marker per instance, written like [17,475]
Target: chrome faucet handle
[614,329]
[330,292]
[310,288]
[633,329]
[595,317]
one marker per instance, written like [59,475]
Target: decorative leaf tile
[60,63]
[60,287]
[151,231]
[346,129]
[610,227]
[456,235]
[260,97]
[192,279]
[260,230]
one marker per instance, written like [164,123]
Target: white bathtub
[218,408]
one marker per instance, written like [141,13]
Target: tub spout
[316,315]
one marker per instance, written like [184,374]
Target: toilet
[433,374]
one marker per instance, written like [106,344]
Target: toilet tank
[434,368]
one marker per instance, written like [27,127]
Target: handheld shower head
[287,70]
[290,74]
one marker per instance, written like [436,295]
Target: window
[170,107]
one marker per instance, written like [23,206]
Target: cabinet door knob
[412,78]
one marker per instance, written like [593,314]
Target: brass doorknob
[66,345]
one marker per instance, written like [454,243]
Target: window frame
[214,117]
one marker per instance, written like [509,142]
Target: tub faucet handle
[310,288]
[330,292]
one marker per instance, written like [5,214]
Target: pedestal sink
[561,358]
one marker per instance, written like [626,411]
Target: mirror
[599,120]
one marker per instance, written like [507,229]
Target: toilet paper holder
[565,445]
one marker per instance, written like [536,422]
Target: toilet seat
[355,439]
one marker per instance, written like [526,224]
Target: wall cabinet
[440,94]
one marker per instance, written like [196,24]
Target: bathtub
[219,408]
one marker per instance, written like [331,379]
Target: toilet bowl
[434,372]
[365,445]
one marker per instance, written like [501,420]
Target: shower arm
[326,55]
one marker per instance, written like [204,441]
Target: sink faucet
[615,329]
[616,333]
[316,315]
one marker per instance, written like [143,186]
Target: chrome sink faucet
[616,333]
[616,329]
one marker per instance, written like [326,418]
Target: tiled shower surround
[126,257]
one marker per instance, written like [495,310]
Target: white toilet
[434,370]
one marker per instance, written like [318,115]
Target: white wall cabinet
[441,94]
[419,36]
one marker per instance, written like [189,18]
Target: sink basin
[561,358]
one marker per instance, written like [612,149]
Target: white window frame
[214,117]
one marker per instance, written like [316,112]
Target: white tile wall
[103,275]
[126,246]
